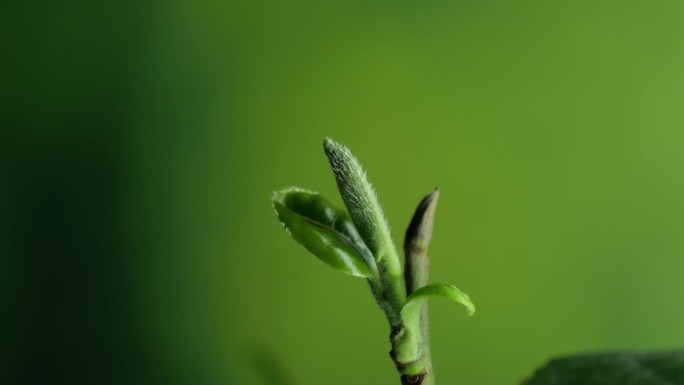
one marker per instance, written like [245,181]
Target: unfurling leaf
[410,312]
[326,231]
[359,197]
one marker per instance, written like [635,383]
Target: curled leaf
[326,231]
[411,311]
[416,242]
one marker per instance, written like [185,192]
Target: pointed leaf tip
[419,232]
[326,231]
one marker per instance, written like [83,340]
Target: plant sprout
[357,241]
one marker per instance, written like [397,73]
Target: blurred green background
[141,141]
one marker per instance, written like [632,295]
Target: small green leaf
[411,311]
[324,230]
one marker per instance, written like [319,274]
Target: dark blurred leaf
[664,368]
[270,368]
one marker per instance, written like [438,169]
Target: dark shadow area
[69,308]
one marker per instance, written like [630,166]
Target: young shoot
[357,241]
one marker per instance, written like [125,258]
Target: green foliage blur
[141,140]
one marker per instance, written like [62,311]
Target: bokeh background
[141,141]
